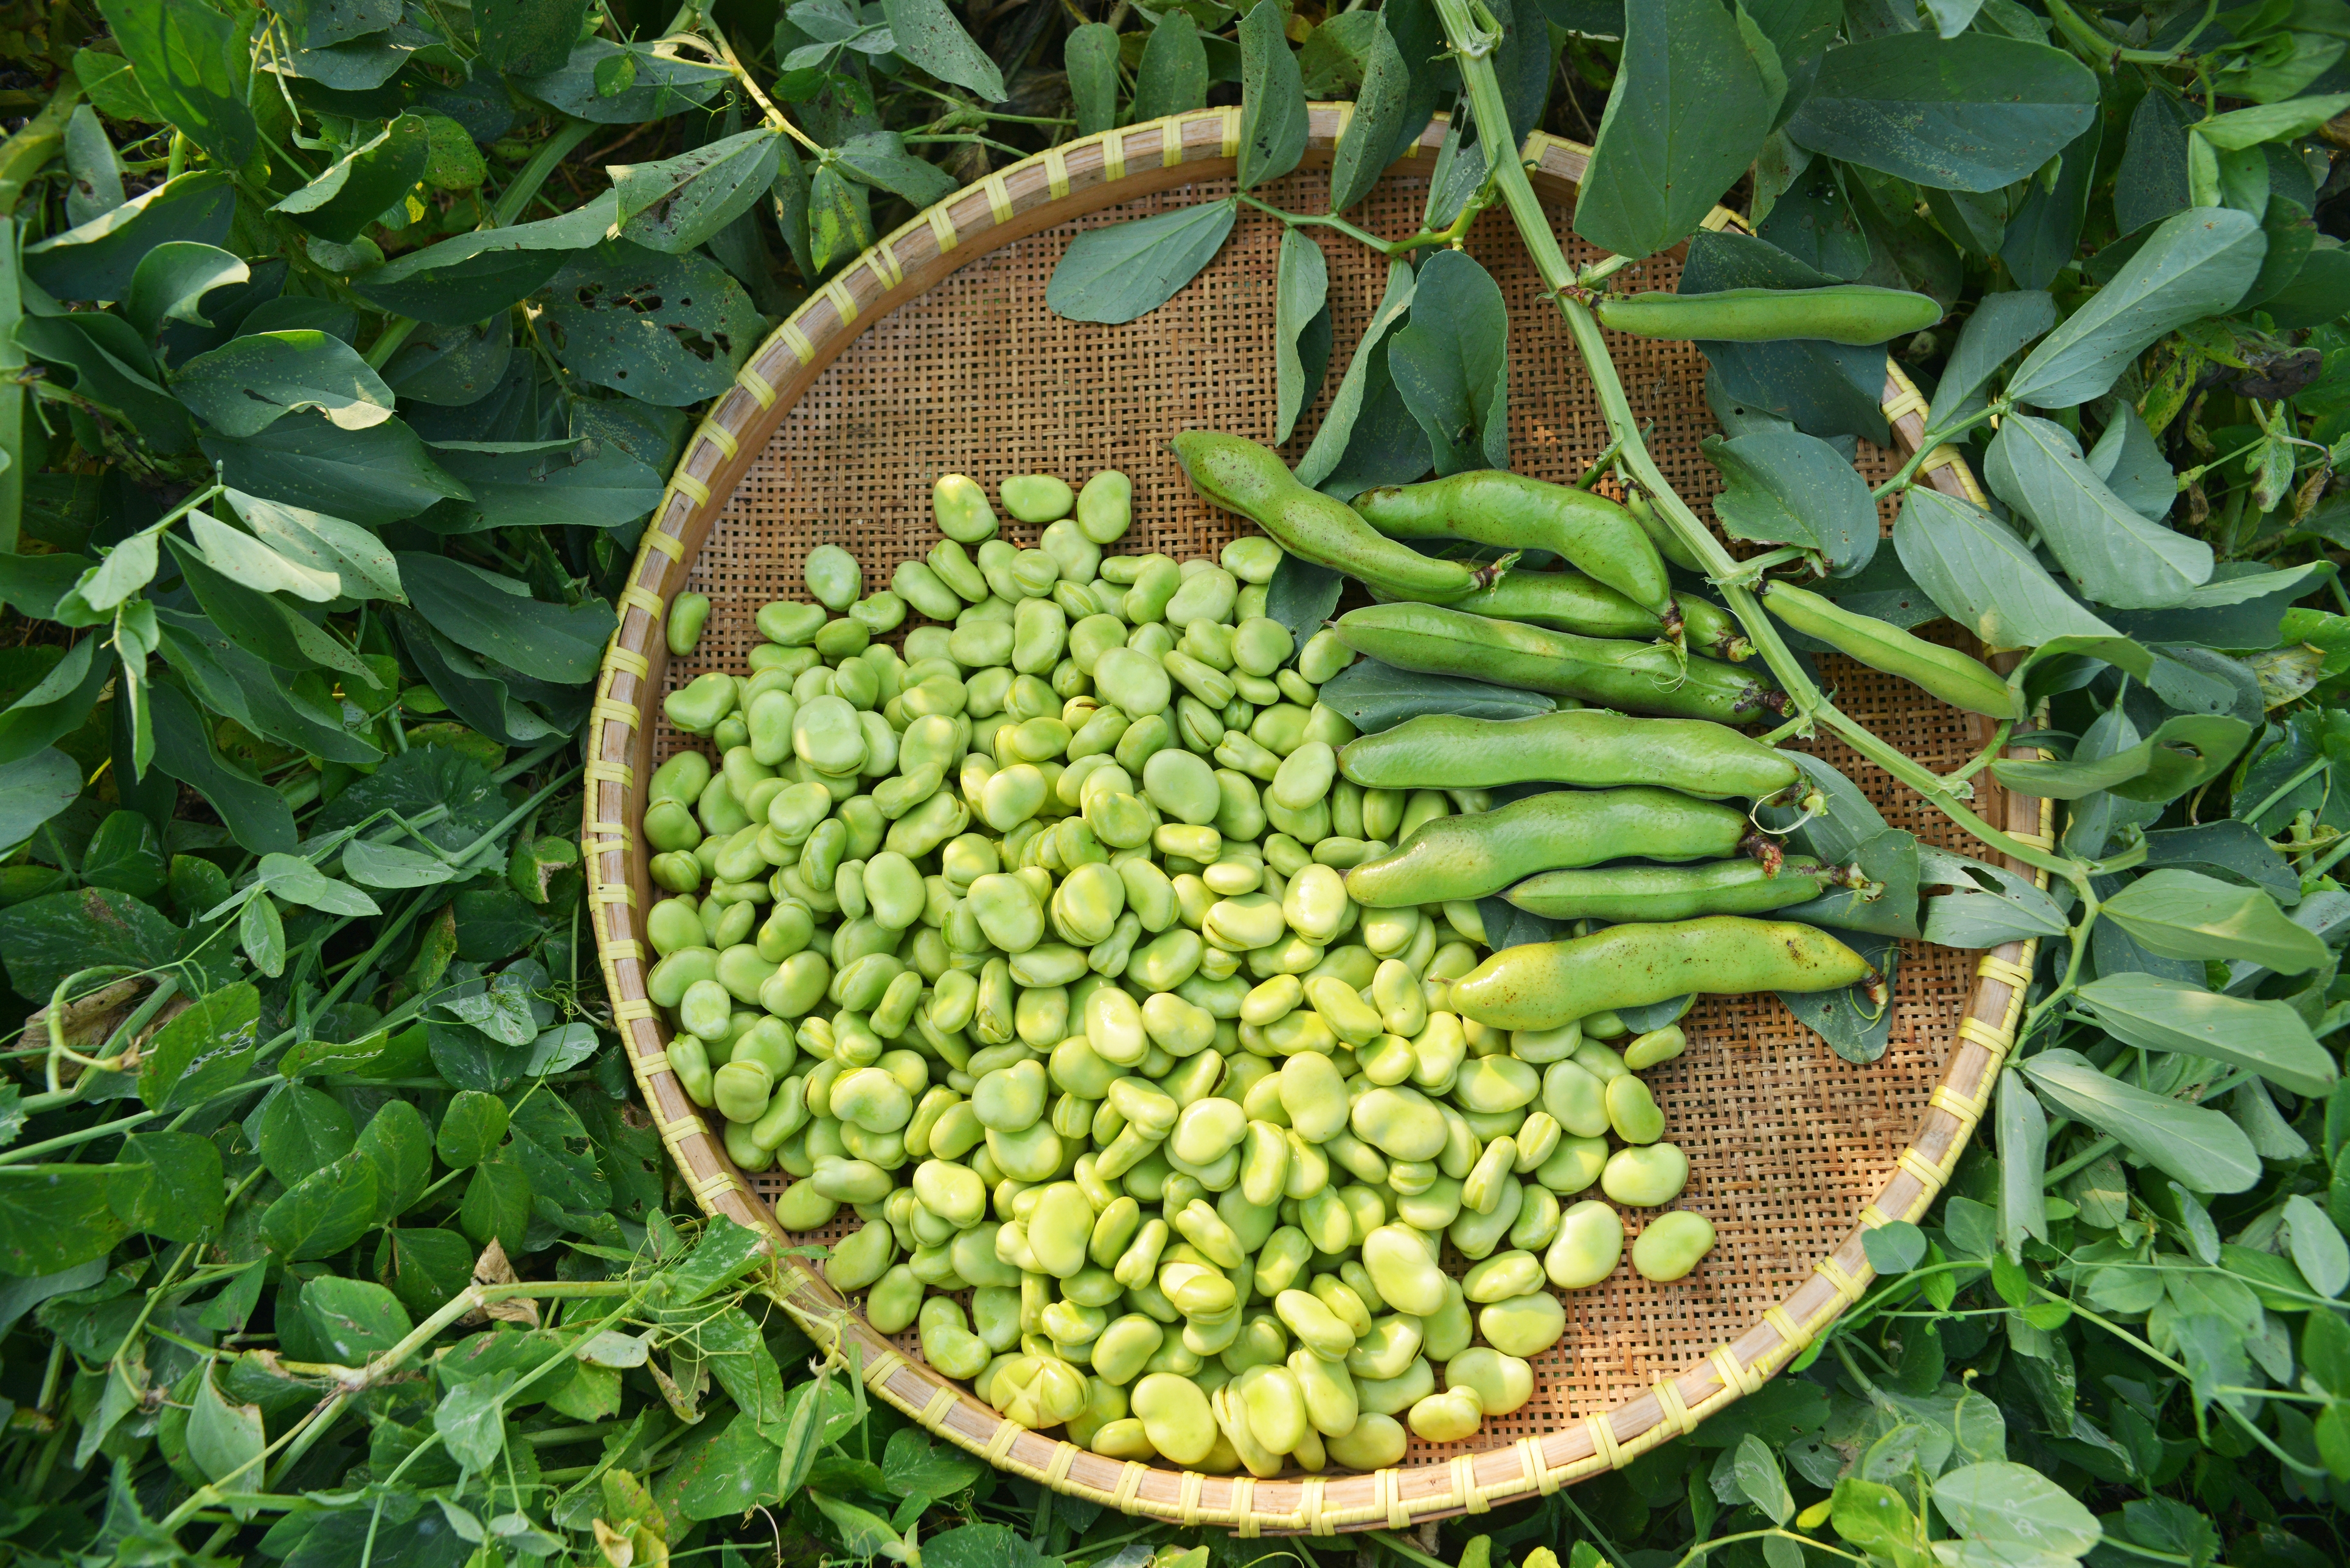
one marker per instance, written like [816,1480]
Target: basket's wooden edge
[1008,206]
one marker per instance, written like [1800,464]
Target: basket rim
[1010,203]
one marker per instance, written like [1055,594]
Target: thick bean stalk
[1473,34]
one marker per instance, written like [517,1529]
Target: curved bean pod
[1482,852]
[1244,477]
[1489,506]
[1938,671]
[1580,746]
[1541,985]
[1857,314]
[1437,639]
[1569,601]
[1626,893]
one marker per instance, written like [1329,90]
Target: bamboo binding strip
[1011,205]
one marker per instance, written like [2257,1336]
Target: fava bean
[1672,1245]
[1540,985]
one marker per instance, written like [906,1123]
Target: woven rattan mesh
[1786,1142]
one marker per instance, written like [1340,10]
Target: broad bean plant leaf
[2196,263]
[1173,76]
[1329,445]
[1784,487]
[1999,328]
[1273,99]
[1300,291]
[248,384]
[1971,113]
[679,202]
[1974,567]
[2269,1037]
[2201,1149]
[927,34]
[1450,362]
[2113,555]
[1693,99]
[1380,113]
[1115,274]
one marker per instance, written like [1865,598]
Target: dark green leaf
[180,1198]
[356,560]
[678,203]
[33,790]
[1971,113]
[303,1129]
[1450,362]
[915,1467]
[1173,76]
[1301,596]
[2045,235]
[357,1319]
[57,704]
[1272,97]
[927,34]
[2015,1512]
[372,477]
[496,618]
[471,1128]
[662,84]
[461,280]
[2200,1148]
[205,1049]
[358,187]
[256,815]
[1999,328]
[325,1213]
[172,280]
[1784,487]
[471,1420]
[1330,443]
[1974,567]
[547,485]
[399,1145]
[667,329]
[1090,57]
[1125,270]
[226,1440]
[100,259]
[496,1205]
[2184,751]
[2269,1037]
[527,37]
[879,159]
[1374,696]
[1366,144]
[1301,289]
[1894,1249]
[250,382]
[2113,555]
[195,65]
[1688,111]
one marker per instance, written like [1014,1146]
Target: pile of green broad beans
[1111,978]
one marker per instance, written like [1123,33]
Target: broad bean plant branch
[1473,34]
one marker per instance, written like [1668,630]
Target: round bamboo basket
[934,352]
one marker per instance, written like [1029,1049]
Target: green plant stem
[1931,441]
[1472,44]
[1803,1542]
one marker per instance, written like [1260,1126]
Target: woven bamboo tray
[934,352]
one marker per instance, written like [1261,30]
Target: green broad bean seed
[801,1207]
[923,588]
[1032,574]
[1324,655]
[1447,1416]
[1601,1061]
[1403,1267]
[682,779]
[863,1258]
[1501,1383]
[895,1300]
[960,509]
[789,624]
[1632,1111]
[832,576]
[1176,1416]
[1393,1395]
[1672,1245]
[1576,1098]
[1536,1225]
[1251,558]
[698,706]
[1655,1046]
[1134,681]
[1034,498]
[1374,1442]
[1105,507]
[1645,1177]
[1501,1276]
[1523,1325]
[948,1343]
[879,613]
[688,614]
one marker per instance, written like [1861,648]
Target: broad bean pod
[1582,746]
[1944,672]
[1470,856]
[1855,314]
[1436,640]
[1489,506]
[1541,985]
